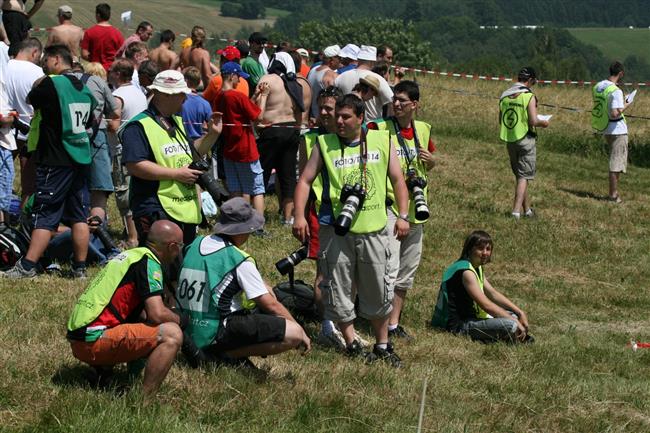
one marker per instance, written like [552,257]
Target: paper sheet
[546,117]
[629,98]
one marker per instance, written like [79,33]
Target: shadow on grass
[83,376]
[585,194]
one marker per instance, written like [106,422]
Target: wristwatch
[404,217]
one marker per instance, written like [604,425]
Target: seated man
[218,286]
[468,304]
[106,328]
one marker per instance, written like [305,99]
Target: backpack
[13,245]
[298,298]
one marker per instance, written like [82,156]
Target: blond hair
[95,68]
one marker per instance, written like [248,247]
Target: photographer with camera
[158,155]
[353,224]
[415,160]
[219,284]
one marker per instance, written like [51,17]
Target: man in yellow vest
[518,119]
[353,256]
[157,154]
[607,118]
[105,327]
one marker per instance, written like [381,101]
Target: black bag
[13,245]
[298,298]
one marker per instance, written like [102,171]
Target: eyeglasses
[401,101]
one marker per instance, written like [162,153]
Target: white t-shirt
[248,277]
[7,139]
[133,101]
[20,78]
[615,101]
[348,79]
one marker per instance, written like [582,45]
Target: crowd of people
[95,114]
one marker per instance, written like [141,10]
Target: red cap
[230,53]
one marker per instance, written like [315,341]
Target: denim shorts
[99,173]
[244,177]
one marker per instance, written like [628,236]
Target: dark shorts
[17,27]
[278,149]
[241,330]
[143,224]
[61,195]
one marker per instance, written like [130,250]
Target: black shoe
[195,357]
[529,339]
[399,332]
[387,355]
[354,350]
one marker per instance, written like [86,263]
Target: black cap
[257,37]
[527,73]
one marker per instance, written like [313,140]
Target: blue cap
[233,68]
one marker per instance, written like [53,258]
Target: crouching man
[219,285]
[106,326]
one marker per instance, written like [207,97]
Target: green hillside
[616,43]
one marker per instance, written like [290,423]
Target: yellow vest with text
[344,166]
[513,114]
[311,139]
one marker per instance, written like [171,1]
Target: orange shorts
[123,343]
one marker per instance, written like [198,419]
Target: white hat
[303,52]
[350,51]
[170,82]
[332,51]
[64,9]
[368,52]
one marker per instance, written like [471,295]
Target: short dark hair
[476,238]
[616,68]
[243,48]
[525,74]
[330,92]
[135,48]
[123,68]
[192,77]
[351,101]
[167,36]
[381,50]
[149,68]
[59,50]
[409,87]
[30,44]
[284,46]
[380,68]
[103,11]
[144,25]
[65,15]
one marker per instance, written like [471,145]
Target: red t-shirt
[102,42]
[237,109]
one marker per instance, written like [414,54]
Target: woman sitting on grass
[468,304]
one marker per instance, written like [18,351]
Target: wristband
[404,217]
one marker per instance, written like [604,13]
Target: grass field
[580,270]
[616,43]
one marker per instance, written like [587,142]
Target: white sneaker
[332,339]
[363,342]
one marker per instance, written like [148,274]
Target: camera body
[208,183]
[416,185]
[352,197]
[287,264]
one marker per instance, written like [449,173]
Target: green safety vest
[101,289]
[76,108]
[441,311]
[311,139]
[197,293]
[179,200]
[344,166]
[423,132]
[514,117]
[600,113]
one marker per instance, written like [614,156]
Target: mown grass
[616,43]
[580,269]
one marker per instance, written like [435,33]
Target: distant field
[163,14]
[616,43]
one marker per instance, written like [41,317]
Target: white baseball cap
[170,82]
[332,51]
[350,51]
[368,52]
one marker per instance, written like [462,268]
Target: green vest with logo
[441,311]
[423,131]
[198,288]
[600,112]
[311,139]
[101,289]
[179,200]
[76,108]
[514,117]
[345,165]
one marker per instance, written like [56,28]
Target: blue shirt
[195,112]
[349,67]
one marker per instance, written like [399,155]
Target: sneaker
[362,342]
[78,273]
[332,339]
[387,355]
[530,213]
[354,350]
[286,223]
[261,233]
[616,199]
[18,272]
[399,332]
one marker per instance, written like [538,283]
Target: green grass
[580,270]
[616,43]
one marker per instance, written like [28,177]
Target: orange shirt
[304,70]
[211,93]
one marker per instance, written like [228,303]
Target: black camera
[352,198]
[100,231]
[208,183]
[416,186]
[285,265]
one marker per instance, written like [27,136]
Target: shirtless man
[323,76]
[16,21]
[164,54]
[66,33]
[279,136]
[198,56]
[306,87]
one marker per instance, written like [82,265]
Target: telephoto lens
[100,231]
[292,260]
[352,198]
[208,183]
[416,186]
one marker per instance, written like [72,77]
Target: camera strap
[172,129]
[402,142]
[363,157]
